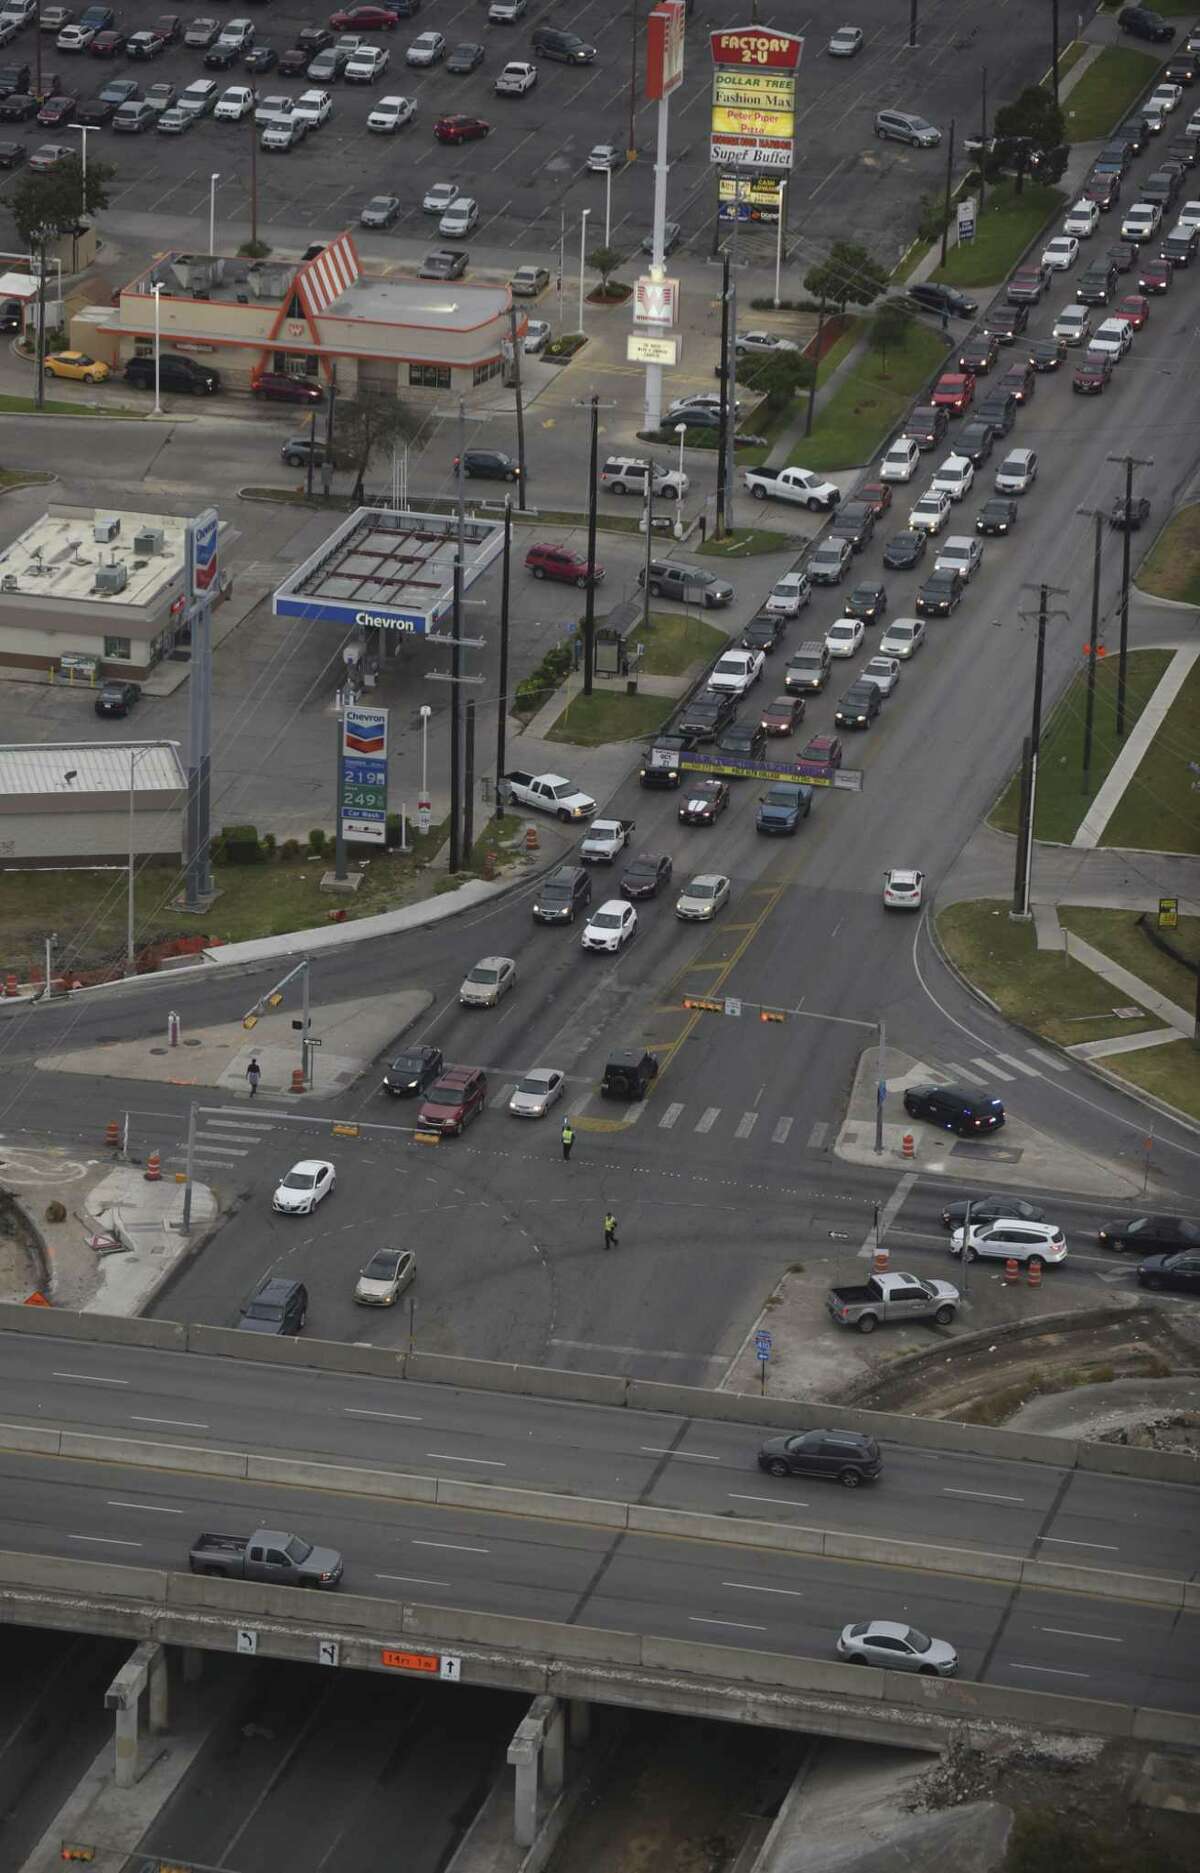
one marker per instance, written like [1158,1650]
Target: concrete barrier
[1191,1596]
[59,1323]
[295,1352]
[494,1375]
[588,1511]
[190,1459]
[1159,1466]
[1150,1589]
[29,1437]
[776,1668]
[447,1626]
[389,1484]
[52,1573]
[969,1563]
[1166,1726]
[693,1525]
[997,1704]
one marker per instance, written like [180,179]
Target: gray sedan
[536,1093]
[896,1648]
[380,211]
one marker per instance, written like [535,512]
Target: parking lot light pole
[423,802]
[135,755]
[607,203]
[83,130]
[212,212]
[779,240]
[1131,462]
[156,289]
[582,250]
[681,432]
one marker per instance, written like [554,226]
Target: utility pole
[521,469]
[456,649]
[982,138]
[949,184]
[1054,48]
[1092,653]
[912,25]
[594,406]
[469,783]
[725,394]
[1131,462]
[253,183]
[631,135]
[812,395]
[502,711]
[1024,864]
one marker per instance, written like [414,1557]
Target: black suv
[629,1074]
[1096,286]
[926,425]
[117,698]
[934,298]
[277,1306]
[968,1114]
[660,761]
[842,1456]
[1142,23]
[858,707]
[174,373]
[707,714]
[854,521]
[999,410]
[940,594]
[566,892]
[569,47]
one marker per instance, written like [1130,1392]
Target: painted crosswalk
[226,1142]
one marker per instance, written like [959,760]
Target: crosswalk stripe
[708,1119]
[955,1072]
[817,1136]
[780,1134]
[1048,1060]
[669,1117]
[746,1124]
[238,1125]
[990,1067]
[1020,1065]
[503,1096]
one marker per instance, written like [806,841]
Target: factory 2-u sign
[202,558]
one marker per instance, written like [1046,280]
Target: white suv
[626,474]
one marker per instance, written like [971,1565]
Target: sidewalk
[1123,769]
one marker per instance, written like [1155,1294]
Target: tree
[1027,131]
[850,274]
[43,207]
[605,261]
[375,421]
[888,330]
[778,378]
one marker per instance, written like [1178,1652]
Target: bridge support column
[579,1722]
[554,1748]
[193,1664]
[538,1746]
[159,1692]
[147,1668]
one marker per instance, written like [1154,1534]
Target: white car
[1164,97]
[903,889]
[391,114]
[901,461]
[426,49]
[234,104]
[603,156]
[438,198]
[271,109]
[846,41]
[845,637]
[610,927]
[516,79]
[239,33]
[954,477]
[1192,126]
[1072,324]
[1012,1239]
[763,344]
[931,512]
[700,900]
[737,671]
[1112,339]
[488,982]
[537,335]
[1061,253]
[896,1648]
[903,638]
[199,97]
[534,1095]
[1017,472]
[961,553]
[283,134]
[384,1278]
[75,38]
[461,216]
[1189,219]
[306,1184]
[789,595]
[883,671]
[368,64]
[505,12]
[1141,221]
[313,108]
[1082,220]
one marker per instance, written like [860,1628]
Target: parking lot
[529,176]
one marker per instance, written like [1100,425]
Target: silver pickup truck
[268,1554]
[892,1297]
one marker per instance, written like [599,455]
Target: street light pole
[1131,462]
[156,289]
[502,711]
[1092,652]
[779,239]
[423,803]
[212,212]
[681,432]
[582,248]
[607,204]
[83,130]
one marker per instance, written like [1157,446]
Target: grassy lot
[1107,92]
[1042,989]
[866,404]
[1067,58]
[24,477]
[605,716]
[1061,801]
[1159,811]
[1172,567]
[754,458]
[1171,1073]
[1003,232]
[678,639]
[1120,935]
[746,542]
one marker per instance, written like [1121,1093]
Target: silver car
[534,1095]
[385,1277]
[488,982]
[896,1648]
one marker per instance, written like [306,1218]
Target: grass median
[749,542]
[610,716]
[1062,800]
[1170,1073]
[1108,90]
[1124,938]
[1171,569]
[1002,233]
[1159,811]
[869,402]
[677,640]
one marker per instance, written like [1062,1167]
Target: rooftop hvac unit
[9,583]
[112,578]
[149,540]
[106,528]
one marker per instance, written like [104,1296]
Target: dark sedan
[979,355]
[868,602]
[1154,1235]
[1123,256]
[975,440]
[285,387]
[116,698]
[465,58]
[745,739]
[488,464]
[999,515]
[1046,354]
[905,550]
[992,1209]
[460,129]
[763,632]
[411,1072]
[17,108]
[1154,276]
[704,801]
[854,521]
[1181,1273]
[646,876]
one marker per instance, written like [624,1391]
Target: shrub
[316,841]
[290,849]
[267,844]
[240,846]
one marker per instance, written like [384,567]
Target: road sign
[364,774]
[247,1641]
[1168,913]
[762,1344]
[451,1669]
[329,1652]
[733,1005]
[967,211]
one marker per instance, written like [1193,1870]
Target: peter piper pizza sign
[754,98]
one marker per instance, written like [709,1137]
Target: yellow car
[78,365]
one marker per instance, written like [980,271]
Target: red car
[1134,310]
[558,562]
[283,387]
[821,751]
[877,494]
[1018,381]
[375,19]
[460,129]
[457,1098]
[107,45]
[955,391]
[783,716]
[57,110]
[1154,276]
[1091,377]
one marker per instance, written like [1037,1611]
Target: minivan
[903,127]
[808,668]
[563,895]
[568,47]
[135,116]
[174,373]
[277,1306]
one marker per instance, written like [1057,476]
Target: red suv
[453,1101]
[955,391]
[460,129]
[556,562]
[283,387]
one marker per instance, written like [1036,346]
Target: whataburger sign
[754,98]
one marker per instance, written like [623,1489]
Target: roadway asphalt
[675,1588]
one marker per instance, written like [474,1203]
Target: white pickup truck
[550,793]
[516,79]
[605,838]
[793,484]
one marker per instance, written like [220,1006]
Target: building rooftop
[384,567]
[451,305]
[39,768]
[93,556]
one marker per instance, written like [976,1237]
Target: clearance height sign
[754,98]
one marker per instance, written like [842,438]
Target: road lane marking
[1053,1671]
[708,1118]
[113,1541]
[640,1352]
[749,1586]
[1110,1547]
[397,1417]
[669,1117]
[180,1424]
[458,1546]
[444,1456]
[746,1124]
[1065,1632]
[955,1072]
[151,1508]
[88,1378]
[692,1456]
[982,1495]
[780,1135]
[739,1625]
[1012,1061]
[413,1580]
[773,1500]
[1048,1060]
[990,1067]
[818,1135]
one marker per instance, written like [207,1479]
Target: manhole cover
[998,1154]
[193,1043]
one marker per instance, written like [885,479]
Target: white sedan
[845,637]
[488,982]
[931,512]
[533,1096]
[883,671]
[737,671]
[789,595]
[537,335]
[700,900]
[903,889]
[391,114]
[1189,219]
[1164,97]
[305,1185]
[1061,254]
[846,41]
[954,477]
[610,927]
[438,197]
[426,49]
[903,637]
[763,344]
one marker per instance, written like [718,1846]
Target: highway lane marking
[1065,1632]
[955,1072]
[87,1378]
[773,1500]
[113,1541]
[1110,1547]
[151,1508]
[888,1214]
[738,1625]
[444,1456]
[1048,1060]
[691,1456]
[989,1066]
[458,1546]
[413,1580]
[398,1417]
[178,1424]
[1053,1671]
[749,1586]
[982,1495]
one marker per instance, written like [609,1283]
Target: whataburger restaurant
[396,334]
